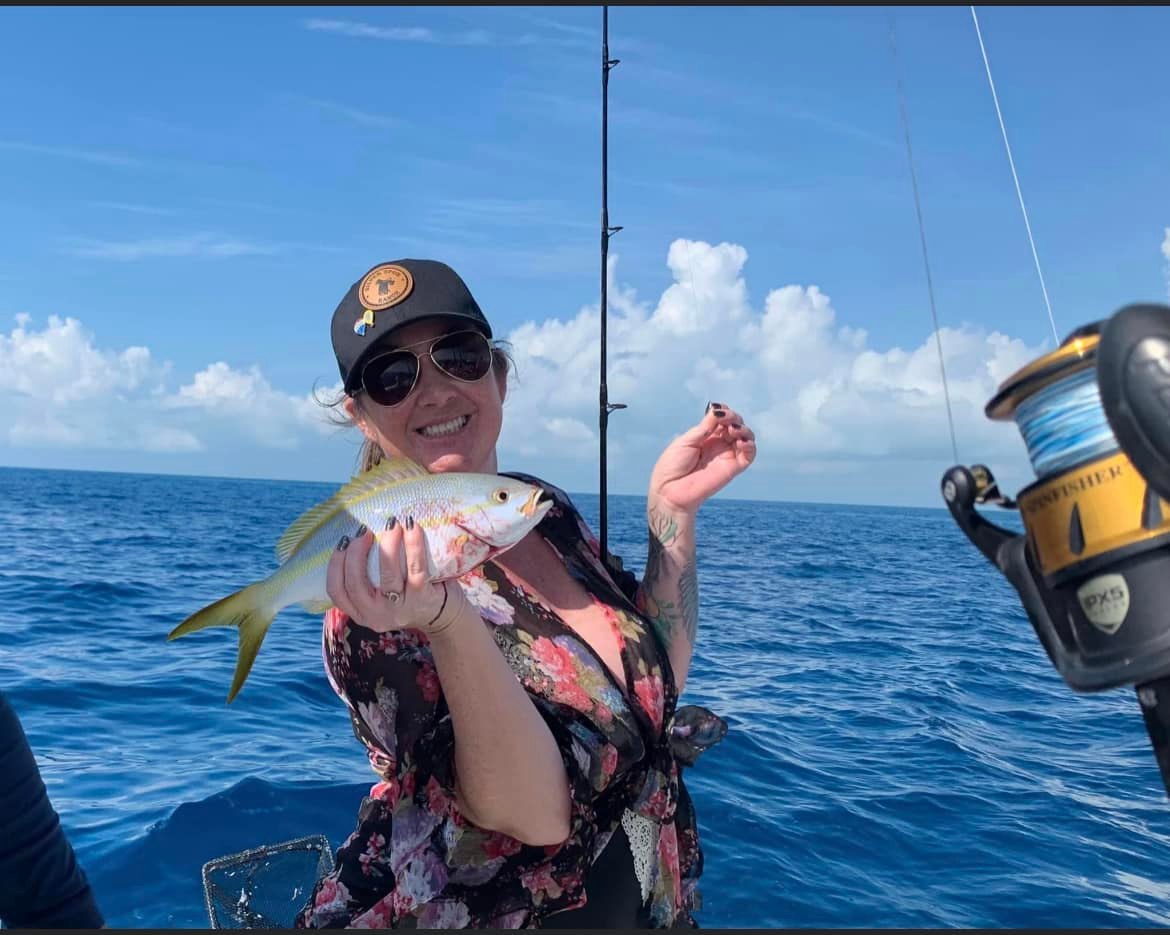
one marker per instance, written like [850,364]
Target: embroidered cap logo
[381,288]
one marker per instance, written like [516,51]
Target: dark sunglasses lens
[463,356]
[389,379]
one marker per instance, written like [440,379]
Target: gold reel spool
[1096,512]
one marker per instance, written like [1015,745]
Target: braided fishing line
[1064,424]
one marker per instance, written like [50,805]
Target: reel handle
[1008,552]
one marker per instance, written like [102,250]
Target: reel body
[1105,621]
[1092,568]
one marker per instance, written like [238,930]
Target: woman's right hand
[401,601]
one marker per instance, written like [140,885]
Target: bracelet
[431,629]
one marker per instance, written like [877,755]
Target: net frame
[229,911]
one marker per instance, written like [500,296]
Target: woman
[523,719]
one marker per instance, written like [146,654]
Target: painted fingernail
[391,522]
[737,425]
[719,413]
[410,522]
[708,409]
[343,543]
[361,531]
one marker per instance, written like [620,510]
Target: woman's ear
[500,370]
[354,410]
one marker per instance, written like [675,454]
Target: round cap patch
[384,286]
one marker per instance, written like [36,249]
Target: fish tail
[248,609]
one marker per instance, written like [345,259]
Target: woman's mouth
[443,429]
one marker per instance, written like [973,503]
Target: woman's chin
[462,462]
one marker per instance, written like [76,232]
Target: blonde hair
[371,452]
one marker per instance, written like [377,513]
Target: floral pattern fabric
[414,860]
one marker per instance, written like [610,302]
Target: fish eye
[500,496]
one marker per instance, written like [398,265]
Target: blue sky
[187,193]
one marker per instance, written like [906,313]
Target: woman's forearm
[669,592]
[510,776]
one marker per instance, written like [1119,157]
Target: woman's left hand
[702,461]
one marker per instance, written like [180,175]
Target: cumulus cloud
[246,398]
[59,389]
[61,363]
[814,389]
[823,400]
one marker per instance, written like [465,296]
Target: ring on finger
[394,597]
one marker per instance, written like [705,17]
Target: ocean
[900,751]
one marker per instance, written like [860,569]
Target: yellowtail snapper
[467,518]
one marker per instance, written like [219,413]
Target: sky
[187,193]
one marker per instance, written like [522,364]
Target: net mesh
[265,887]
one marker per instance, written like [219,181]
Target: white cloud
[195,245]
[58,389]
[813,389]
[397,33]
[131,207]
[1166,254]
[363,118]
[247,401]
[469,37]
[116,160]
[824,401]
[61,363]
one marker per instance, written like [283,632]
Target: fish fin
[385,473]
[317,607]
[246,609]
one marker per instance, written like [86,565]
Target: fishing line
[1015,177]
[922,237]
[1064,424]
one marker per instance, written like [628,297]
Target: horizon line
[584,493]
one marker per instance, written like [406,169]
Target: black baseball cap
[389,296]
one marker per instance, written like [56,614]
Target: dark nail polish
[410,522]
[361,531]
[737,425]
[343,543]
[719,413]
[708,409]
[391,522]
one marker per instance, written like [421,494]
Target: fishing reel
[1092,568]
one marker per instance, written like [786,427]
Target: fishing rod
[605,407]
[1092,567]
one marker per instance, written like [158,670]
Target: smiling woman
[522,719]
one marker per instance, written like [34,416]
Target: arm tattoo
[671,603]
[688,602]
[663,531]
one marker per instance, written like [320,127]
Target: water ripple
[901,753]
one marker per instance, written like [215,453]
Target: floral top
[414,860]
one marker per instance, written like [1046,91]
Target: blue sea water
[900,751]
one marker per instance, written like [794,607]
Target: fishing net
[265,887]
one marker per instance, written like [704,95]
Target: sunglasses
[389,377]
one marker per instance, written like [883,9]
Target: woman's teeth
[444,428]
